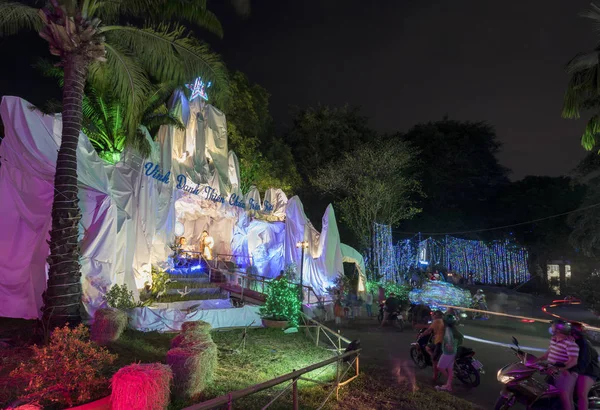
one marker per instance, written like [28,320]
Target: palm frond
[170,55]
[50,70]
[157,11]
[15,17]
[593,14]
[588,139]
[126,81]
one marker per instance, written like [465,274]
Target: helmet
[563,327]
[480,291]
[450,320]
[577,328]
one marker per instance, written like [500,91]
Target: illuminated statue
[183,246]
[206,245]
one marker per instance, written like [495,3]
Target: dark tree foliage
[459,173]
[265,159]
[536,197]
[318,136]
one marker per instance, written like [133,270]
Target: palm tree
[583,90]
[89,42]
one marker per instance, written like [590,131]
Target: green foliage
[367,192]
[588,290]
[459,173]
[165,53]
[401,291]
[282,302]
[265,160]
[104,116]
[582,90]
[160,282]
[69,370]
[119,297]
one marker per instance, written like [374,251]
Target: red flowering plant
[69,370]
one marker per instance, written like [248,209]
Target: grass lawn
[269,353]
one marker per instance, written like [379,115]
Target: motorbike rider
[391,305]
[564,352]
[587,368]
[479,301]
[434,349]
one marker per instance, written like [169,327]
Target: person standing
[435,348]
[369,303]
[452,339]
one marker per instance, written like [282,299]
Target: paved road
[389,348]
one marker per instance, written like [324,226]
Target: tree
[319,135]
[265,160]
[459,173]
[582,90]
[371,185]
[103,120]
[530,199]
[86,37]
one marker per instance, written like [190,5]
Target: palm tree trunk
[62,298]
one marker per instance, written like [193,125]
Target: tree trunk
[62,298]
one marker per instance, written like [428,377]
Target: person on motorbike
[452,339]
[434,349]
[563,353]
[587,368]
[392,304]
[479,301]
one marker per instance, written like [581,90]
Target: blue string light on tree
[497,262]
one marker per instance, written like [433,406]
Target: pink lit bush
[69,370]
[141,387]
[109,325]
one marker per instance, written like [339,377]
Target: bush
[119,297]
[193,368]
[160,280]
[69,370]
[282,302]
[109,325]
[141,387]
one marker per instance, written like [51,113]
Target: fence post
[339,341]
[295,394]
[337,379]
[318,333]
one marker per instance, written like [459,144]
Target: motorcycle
[520,385]
[480,306]
[396,318]
[466,369]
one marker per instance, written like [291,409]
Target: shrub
[193,369]
[69,370]
[141,387]
[282,302]
[119,297]
[160,280]
[109,325]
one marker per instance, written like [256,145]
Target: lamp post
[302,245]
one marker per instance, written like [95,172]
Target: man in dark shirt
[392,304]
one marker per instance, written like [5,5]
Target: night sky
[404,62]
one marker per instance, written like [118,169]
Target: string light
[497,262]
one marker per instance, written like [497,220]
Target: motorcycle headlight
[502,378]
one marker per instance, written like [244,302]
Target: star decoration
[198,89]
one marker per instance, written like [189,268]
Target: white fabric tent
[129,216]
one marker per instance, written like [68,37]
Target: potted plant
[282,305]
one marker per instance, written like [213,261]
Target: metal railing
[334,338]
[293,378]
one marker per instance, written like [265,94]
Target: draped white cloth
[128,216]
